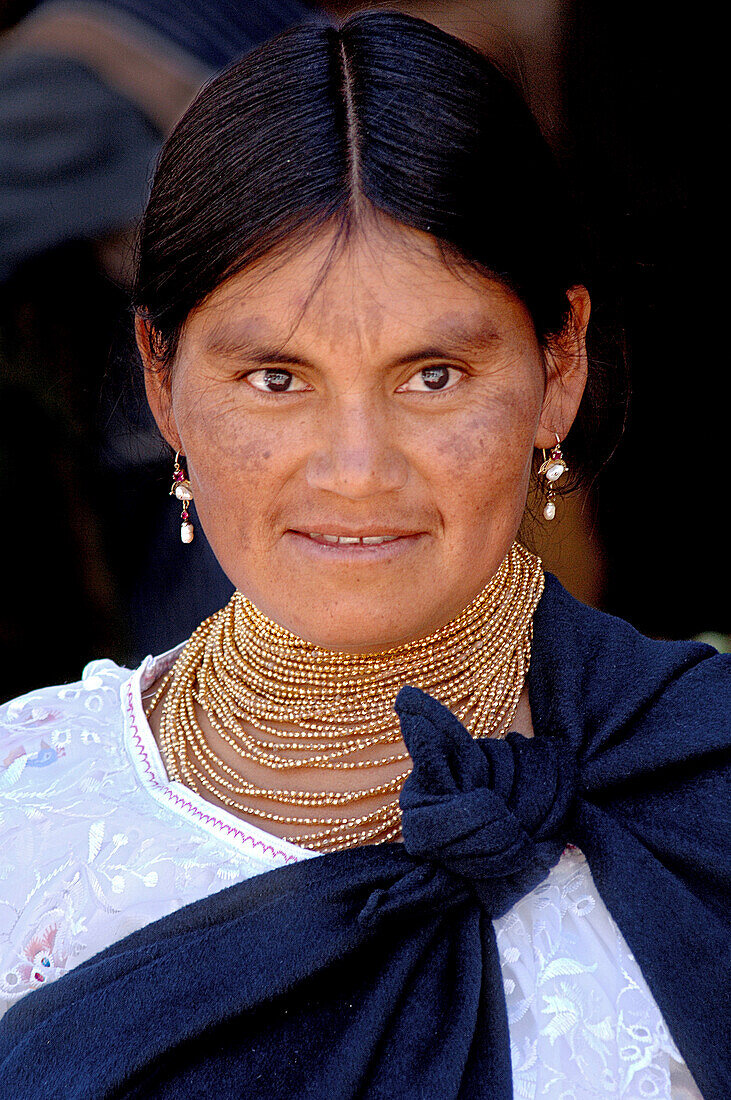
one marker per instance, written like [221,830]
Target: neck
[283,704]
[512,587]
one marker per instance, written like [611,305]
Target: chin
[342,603]
[360,624]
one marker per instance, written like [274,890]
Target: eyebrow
[455,337]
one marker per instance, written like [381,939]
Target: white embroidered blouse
[95,842]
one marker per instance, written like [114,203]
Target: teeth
[347,540]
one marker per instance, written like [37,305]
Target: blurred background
[92,562]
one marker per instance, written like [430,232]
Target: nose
[357,455]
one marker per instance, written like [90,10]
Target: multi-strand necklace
[283,704]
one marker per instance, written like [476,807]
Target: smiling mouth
[350,540]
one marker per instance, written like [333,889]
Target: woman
[363,332]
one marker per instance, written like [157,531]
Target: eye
[430,379]
[275,380]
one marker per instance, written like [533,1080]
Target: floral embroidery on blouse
[583,1023]
[86,856]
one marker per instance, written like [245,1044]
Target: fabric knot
[491,812]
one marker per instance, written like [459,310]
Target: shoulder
[55,727]
[597,670]
[62,769]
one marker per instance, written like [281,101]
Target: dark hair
[325,125]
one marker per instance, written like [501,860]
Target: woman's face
[360,450]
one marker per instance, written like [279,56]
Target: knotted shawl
[373,972]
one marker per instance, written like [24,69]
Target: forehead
[386,283]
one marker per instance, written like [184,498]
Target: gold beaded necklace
[283,703]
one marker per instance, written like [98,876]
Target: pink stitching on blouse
[183,802]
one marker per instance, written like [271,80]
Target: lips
[350,540]
[364,542]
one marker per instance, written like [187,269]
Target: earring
[552,469]
[181,489]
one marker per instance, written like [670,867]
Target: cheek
[487,457]
[234,469]
[215,428]
[231,461]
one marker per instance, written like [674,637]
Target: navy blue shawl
[373,972]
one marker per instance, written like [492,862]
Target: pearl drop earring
[552,469]
[181,489]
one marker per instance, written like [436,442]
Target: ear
[566,370]
[157,385]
